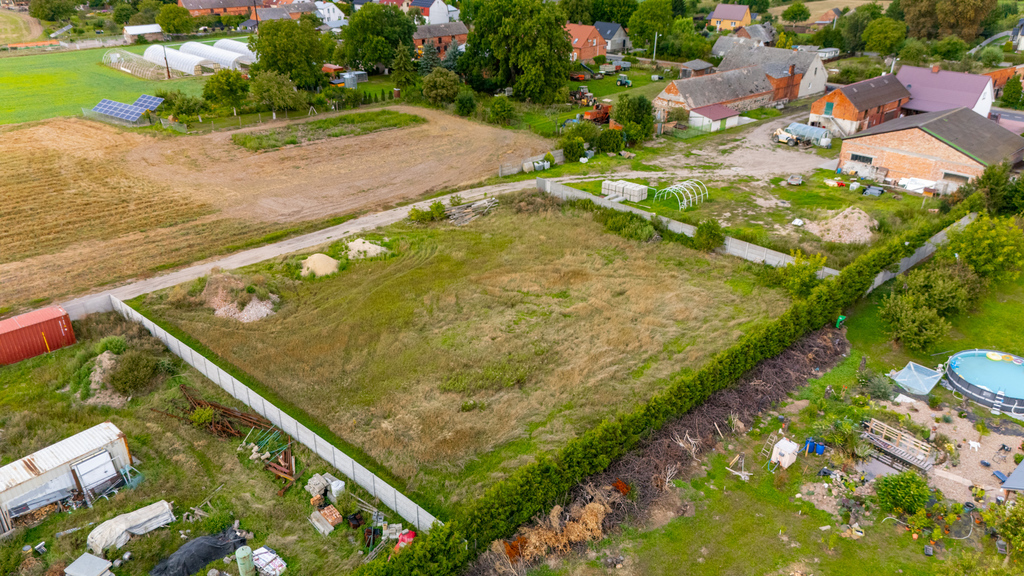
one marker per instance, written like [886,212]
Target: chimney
[935,68]
[792,70]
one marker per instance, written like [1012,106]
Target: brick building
[859,106]
[949,147]
[441,35]
[741,89]
[208,7]
[761,34]
[999,77]
[807,64]
[785,81]
[586,42]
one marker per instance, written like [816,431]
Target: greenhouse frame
[138,66]
[226,58]
[187,63]
[236,46]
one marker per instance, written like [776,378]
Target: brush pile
[466,213]
[218,419]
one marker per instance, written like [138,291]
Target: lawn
[472,350]
[15,27]
[180,463]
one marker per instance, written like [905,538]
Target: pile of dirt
[851,226]
[100,392]
[222,294]
[360,248]
[320,265]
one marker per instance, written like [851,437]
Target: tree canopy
[293,48]
[884,35]
[618,11]
[402,70]
[373,35]
[796,13]
[51,10]
[636,114]
[226,87]
[962,17]
[175,19]
[274,90]
[522,44]
[577,11]
[653,16]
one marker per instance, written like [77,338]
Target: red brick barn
[586,42]
[208,7]
[859,106]
[441,35]
[785,81]
[741,89]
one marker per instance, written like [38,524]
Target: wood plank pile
[226,421]
[466,213]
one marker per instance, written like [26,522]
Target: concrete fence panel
[347,466]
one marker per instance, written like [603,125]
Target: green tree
[51,10]
[894,11]
[796,12]
[991,56]
[573,149]
[709,235]
[884,35]
[275,90]
[373,36]
[962,17]
[801,276]
[910,321]
[903,493]
[636,114]
[1012,93]
[465,104]
[920,18]
[618,11]
[402,71]
[175,19]
[829,37]
[950,48]
[609,141]
[522,44]
[913,51]
[451,56]
[992,247]
[577,11]
[227,87]
[441,86]
[293,48]
[784,41]
[147,11]
[757,6]
[651,17]
[502,110]
[123,12]
[429,59]
[854,25]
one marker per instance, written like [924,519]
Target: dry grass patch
[472,350]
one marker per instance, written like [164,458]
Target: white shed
[235,46]
[180,61]
[714,117]
[88,463]
[784,453]
[151,32]
[226,58]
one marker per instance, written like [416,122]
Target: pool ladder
[997,405]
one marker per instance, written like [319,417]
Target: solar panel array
[148,102]
[128,112]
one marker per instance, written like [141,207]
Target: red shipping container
[34,333]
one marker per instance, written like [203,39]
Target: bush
[630,226]
[549,158]
[709,235]
[133,372]
[609,141]
[465,104]
[992,247]
[801,276]
[115,344]
[201,417]
[588,131]
[600,59]
[878,386]
[433,213]
[904,493]
[573,149]
[681,115]
[1018,458]
[911,322]
[441,86]
[502,111]
[455,200]
[934,402]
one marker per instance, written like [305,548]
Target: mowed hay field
[472,350]
[87,204]
[822,6]
[18,27]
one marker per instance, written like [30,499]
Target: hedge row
[533,488]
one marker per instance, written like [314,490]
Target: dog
[974,445]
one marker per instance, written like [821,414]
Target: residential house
[357,4]
[454,14]
[999,78]
[785,81]
[713,118]
[933,89]
[828,17]
[441,35]
[949,147]
[586,42]
[151,32]
[859,106]
[402,5]
[208,7]
[761,34]
[725,44]
[807,64]
[741,89]
[329,12]
[615,37]
[433,11]
[826,54]
[730,16]
[695,68]
[1017,35]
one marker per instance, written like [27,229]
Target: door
[721,125]
[828,108]
[96,473]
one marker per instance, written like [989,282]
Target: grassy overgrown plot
[345,125]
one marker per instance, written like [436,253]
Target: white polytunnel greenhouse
[187,63]
[226,58]
[235,46]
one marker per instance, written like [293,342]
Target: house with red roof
[586,42]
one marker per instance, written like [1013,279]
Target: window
[954,177]
[828,108]
[860,158]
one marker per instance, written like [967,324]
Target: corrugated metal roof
[715,112]
[143,29]
[59,454]
[941,90]
[874,92]
[31,318]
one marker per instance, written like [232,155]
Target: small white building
[329,12]
[714,117]
[88,463]
[150,32]
[784,453]
[433,11]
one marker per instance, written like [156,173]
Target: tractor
[781,135]
[624,81]
[582,96]
[599,115]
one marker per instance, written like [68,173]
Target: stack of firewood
[466,213]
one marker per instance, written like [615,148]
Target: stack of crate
[627,190]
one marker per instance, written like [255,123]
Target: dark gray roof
[719,87]
[962,129]
[761,33]
[875,92]
[211,4]
[726,44]
[697,65]
[776,69]
[264,14]
[298,7]
[438,30]
[607,29]
[422,3]
[742,56]
[1015,480]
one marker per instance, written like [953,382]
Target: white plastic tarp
[917,379]
[116,531]
[916,184]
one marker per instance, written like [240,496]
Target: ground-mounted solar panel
[148,102]
[128,112]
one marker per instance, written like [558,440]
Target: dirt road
[18,27]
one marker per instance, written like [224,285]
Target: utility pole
[254,16]
[655,59]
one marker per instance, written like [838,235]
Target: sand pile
[255,310]
[221,294]
[851,226]
[360,248]
[319,264]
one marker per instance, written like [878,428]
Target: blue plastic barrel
[820,449]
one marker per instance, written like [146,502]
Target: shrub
[982,428]
[455,200]
[433,213]
[630,226]
[678,114]
[609,141]
[588,131]
[502,111]
[600,59]
[912,323]
[904,493]
[441,86]
[201,417]
[934,401]
[1018,458]
[878,386]
[709,235]
[549,158]
[133,372]
[465,104]
[992,247]
[801,276]
[115,344]
[573,150]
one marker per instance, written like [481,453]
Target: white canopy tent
[917,379]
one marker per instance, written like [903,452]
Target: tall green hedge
[533,488]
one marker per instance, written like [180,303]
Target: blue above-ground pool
[994,379]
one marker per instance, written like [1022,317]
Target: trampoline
[990,378]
